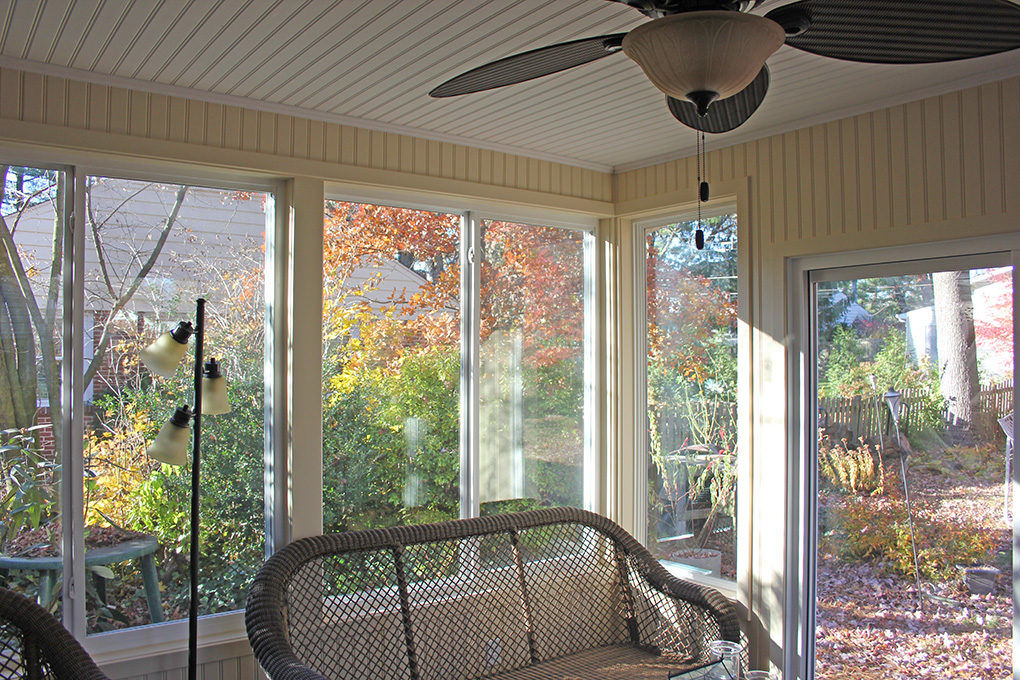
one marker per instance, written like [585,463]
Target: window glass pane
[151,250]
[531,409]
[31,231]
[915,532]
[391,366]
[691,298]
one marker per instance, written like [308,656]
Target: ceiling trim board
[285,109]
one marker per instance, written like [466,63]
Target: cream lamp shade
[165,353]
[703,56]
[214,390]
[171,444]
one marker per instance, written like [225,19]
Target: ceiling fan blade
[724,114]
[518,68]
[903,31]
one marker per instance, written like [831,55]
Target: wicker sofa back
[475,598]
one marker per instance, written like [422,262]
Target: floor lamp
[171,444]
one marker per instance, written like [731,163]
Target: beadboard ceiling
[371,63]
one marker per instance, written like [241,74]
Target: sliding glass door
[912,387]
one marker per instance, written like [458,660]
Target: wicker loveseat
[545,594]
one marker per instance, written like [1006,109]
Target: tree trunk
[957,349]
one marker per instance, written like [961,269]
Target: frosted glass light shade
[710,51]
[164,355]
[171,444]
[214,396]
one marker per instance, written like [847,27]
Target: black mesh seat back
[344,619]
[574,587]
[467,607]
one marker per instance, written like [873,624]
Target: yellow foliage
[115,466]
[853,470]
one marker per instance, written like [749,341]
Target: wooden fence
[867,417]
[860,416]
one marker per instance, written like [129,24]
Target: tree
[957,346]
[29,327]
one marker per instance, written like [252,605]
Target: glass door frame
[802,479]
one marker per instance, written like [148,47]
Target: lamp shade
[214,390]
[715,52]
[166,352]
[171,444]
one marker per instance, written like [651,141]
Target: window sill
[159,639]
[695,575]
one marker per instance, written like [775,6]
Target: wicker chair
[540,595]
[34,646]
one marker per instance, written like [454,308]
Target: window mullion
[470,344]
[72,417]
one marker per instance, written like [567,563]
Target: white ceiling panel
[372,63]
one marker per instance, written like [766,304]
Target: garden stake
[906,493]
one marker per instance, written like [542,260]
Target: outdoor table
[141,548]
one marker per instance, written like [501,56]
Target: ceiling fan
[708,56]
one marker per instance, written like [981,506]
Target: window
[150,248]
[395,306]
[690,340]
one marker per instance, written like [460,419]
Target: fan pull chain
[699,234]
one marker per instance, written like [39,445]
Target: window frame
[473,213]
[735,590]
[171,636]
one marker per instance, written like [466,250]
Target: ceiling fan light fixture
[694,53]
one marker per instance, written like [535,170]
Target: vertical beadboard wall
[938,159]
[32,104]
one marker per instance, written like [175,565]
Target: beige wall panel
[177,119]
[10,93]
[214,121]
[98,117]
[77,105]
[407,154]
[198,123]
[267,133]
[952,156]
[460,163]
[864,143]
[33,97]
[159,116]
[55,93]
[231,127]
[850,174]
[917,207]
[934,160]
[331,153]
[993,126]
[881,170]
[120,115]
[802,145]
[250,131]
[377,145]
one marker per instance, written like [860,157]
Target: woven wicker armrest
[474,598]
[35,645]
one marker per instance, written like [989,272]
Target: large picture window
[150,248]
[691,388]
[394,372]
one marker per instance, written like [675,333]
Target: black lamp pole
[196,448]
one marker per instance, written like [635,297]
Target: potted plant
[699,489]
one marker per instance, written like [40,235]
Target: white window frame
[473,213]
[170,636]
[802,484]
[641,229]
